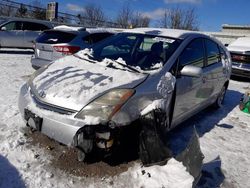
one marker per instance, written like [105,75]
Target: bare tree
[93,15]
[127,18]
[139,20]
[21,11]
[177,18]
[124,16]
[38,11]
[163,22]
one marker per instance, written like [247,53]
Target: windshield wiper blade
[86,59]
[127,66]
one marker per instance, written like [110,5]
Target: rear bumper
[241,69]
[37,62]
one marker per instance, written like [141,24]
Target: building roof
[228,26]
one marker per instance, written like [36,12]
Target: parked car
[21,33]
[89,98]
[63,40]
[240,54]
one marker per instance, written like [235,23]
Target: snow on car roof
[174,33]
[90,30]
[69,28]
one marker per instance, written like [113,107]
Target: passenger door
[189,90]
[31,32]
[11,34]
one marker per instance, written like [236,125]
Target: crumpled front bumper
[60,127]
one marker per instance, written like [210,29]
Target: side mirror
[190,70]
[3,29]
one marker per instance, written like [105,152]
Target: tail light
[67,50]
[238,57]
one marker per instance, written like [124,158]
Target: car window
[55,37]
[95,37]
[123,46]
[147,52]
[193,54]
[30,26]
[13,26]
[213,52]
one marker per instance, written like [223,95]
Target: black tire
[220,99]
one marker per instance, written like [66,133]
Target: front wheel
[220,99]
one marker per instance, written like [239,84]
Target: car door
[11,34]
[189,90]
[31,32]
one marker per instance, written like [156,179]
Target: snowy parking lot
[224,139]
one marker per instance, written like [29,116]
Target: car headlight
[106,105]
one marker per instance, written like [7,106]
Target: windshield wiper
[127,66]
[89,60]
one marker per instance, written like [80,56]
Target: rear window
[55,37]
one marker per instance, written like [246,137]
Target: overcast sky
[211,13]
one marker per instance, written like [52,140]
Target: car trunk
[45,43]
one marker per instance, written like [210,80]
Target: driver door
[11,34]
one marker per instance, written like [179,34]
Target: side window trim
[206,53]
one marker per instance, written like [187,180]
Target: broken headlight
[106,105]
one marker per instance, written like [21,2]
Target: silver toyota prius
[85,100]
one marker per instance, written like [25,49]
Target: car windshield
[136,51]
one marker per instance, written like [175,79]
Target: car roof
[73,29]
[47,23]
[173,33]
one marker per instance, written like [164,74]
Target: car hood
[242,49]
[72,83]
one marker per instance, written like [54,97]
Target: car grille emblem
[42,94]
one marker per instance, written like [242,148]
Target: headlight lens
[107,105]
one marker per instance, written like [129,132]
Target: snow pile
[172,175]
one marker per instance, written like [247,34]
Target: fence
[10,8]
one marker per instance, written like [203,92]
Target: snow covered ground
[223,133]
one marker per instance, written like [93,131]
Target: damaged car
[88,99]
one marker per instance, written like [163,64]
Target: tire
[220,99]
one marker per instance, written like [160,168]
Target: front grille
[51,107]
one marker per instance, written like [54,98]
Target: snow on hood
[240,45]
[72,82]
